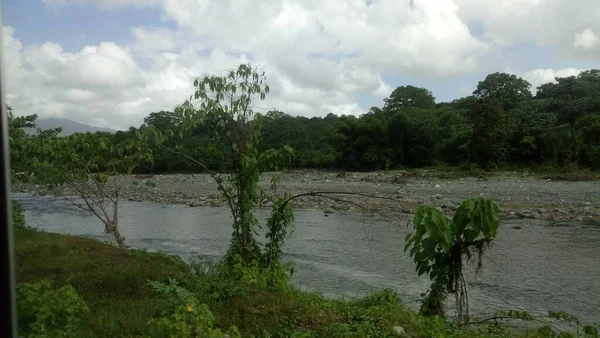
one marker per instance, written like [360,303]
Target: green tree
[84,162]
[504,89]
[229,100]
[409,97]
[17,139]
[589,140]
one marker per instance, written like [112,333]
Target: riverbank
[114,284]
[519,194]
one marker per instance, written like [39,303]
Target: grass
[113,283]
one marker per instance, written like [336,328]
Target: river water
[542,266]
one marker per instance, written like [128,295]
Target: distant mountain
[68,126]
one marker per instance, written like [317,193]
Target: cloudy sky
[112,62]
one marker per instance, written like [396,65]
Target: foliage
[409,96]
[189,318]
[45,311]
[18,217]
[85,162]
[228,101]
[439,244]
[114,284]
[500,124]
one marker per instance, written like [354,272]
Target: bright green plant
[187,317]
[45,311]
[227,103]
[85,162]
[439,245]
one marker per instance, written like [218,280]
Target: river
[541,266]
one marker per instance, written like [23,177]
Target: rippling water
[540,267]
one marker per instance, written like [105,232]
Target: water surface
[540,267]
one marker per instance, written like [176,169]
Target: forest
[501,124]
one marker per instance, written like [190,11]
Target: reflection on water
[537,268]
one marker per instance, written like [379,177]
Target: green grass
[110,280]
[113,283]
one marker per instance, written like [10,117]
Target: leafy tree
[505,89]
[228,100]
[85,162]
[589,140]
[439,245]
[409,97]
[17,139]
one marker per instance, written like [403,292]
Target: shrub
[48,312]
[18,218]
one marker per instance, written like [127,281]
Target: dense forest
[500,124]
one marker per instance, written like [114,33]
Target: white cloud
[319,55]
[540,76]
[149,39]
[586,40]
[551,23]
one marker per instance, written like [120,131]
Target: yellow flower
[190,308]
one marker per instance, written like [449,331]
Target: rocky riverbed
[519,195]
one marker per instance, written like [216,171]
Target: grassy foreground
[114,285]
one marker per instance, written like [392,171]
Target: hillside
[69,126]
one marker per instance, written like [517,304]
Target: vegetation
[248,293]
[439,245]
[500,125]
[114,285]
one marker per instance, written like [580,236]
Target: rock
[437,185]
[439,209]
[579,219]
[437,196]
[398,330]
[328,211]
[482,194]
[541,210]
[196,204]
[214,204]
[327,181]
[341,175]
[512,213]
[528,214]
[268,204]
[34,193]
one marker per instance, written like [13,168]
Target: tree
[17,139]
[589,140]
[228,100]
[489,139]
[439,245]
[85,162]
[409,96]
[505,89]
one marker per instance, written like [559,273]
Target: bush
[18,218]
[48,312]
[186,317]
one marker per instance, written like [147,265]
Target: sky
[110,63]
